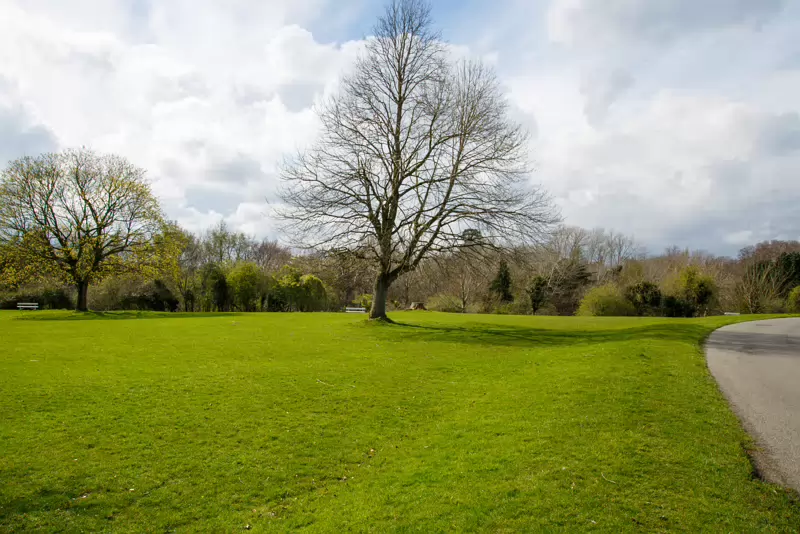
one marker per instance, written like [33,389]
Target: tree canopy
[79,216]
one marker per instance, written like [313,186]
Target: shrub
[697,289]
[674,306]
[606,301]
[503,309]
[793,302]
[445,303]
[645,297]
[152,296]
[363,301]
[48,298]
[521,305]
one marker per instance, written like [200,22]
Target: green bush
[445,303]
[699,290]
[503,309]
[677,307]
[645,297]
[521,305]
[152,296]
[606,301]
[47,298]
[793,302]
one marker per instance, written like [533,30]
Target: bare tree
[187,268]
[225,246]
[271,255]
[79,215]
[415,150]
[760,286]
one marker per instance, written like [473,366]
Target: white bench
[27,305]
[355,310]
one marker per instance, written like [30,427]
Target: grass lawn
[321,422]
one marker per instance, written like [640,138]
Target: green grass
[324,423]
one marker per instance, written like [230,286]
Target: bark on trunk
[83,291]
[378,310]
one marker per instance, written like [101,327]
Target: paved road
[757,366]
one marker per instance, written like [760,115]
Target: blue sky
[675,121]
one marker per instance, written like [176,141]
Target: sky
[674,121]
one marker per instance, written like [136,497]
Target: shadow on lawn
[120,316]
[514,335]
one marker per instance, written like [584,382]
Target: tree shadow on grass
[119,316]
[476,333]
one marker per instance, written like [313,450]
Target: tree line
[416,190]
[574,271]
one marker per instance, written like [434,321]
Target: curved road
[757,366]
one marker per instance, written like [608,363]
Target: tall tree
[414,151]
[79,215]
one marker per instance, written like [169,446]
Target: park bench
[27,305]
[355,310]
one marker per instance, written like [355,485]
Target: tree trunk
[83,291]
[378,310]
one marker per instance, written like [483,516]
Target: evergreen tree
[538,292]
[501,285]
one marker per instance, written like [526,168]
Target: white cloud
[187,91]
[683,164]
[674,120]
[609,21]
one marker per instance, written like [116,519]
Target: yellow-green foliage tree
[248,286]
[698,289]
[79,216]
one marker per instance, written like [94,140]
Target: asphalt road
[757,366]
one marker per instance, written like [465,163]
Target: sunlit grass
[323,422]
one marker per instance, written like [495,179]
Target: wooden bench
[27,305]
[355,310]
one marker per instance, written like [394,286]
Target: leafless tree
[225,246]
[79,215]
[271,255]
[415,151]
[760,285]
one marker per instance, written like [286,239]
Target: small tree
[501,285]
[698,289]
[288,292]
[313,295]
[214,284]
[537,291]
[567,280]
[247,285]
[79,216]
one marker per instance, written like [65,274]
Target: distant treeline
[575,271]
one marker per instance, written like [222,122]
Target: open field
[323,422]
